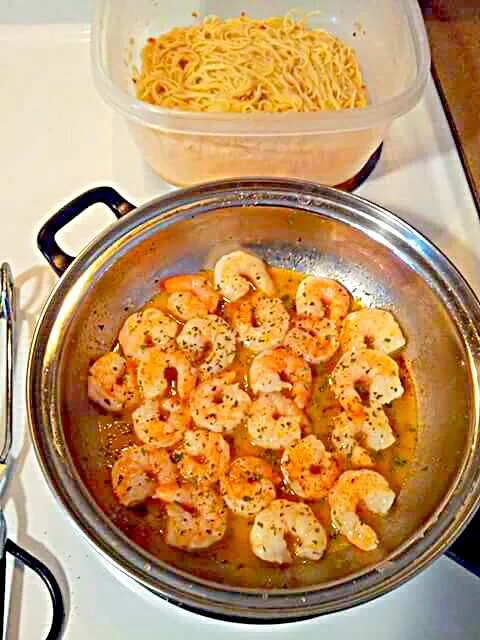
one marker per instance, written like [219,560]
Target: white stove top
[57,138]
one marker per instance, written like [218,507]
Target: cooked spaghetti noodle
[246,65]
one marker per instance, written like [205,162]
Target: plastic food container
[184,148]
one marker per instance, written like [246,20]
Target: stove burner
[359,178]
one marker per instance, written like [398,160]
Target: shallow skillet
[299,226]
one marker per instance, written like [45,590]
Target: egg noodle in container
[245,65]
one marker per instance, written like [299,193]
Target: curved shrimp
[112,383]
[197,519]
[235,273]
[373,328]
[260,323]
[352,488]
[209,339]
[372,427]
[219,404]
[322,298]
[248,487]
[275,422]
[204,456]
[155,367]
[280,369]
[314,339]
[161,422]
[191,296]
[138,471]
[308,468]
[375,372]
[145,329]
[282,519]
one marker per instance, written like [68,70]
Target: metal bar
[7,313]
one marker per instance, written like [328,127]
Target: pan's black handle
[55,256]
[48,578]
[466,549]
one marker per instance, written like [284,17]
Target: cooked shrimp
[261,323]
[138,471]
[280,369]
[354,487]
[374,429]
[314,339]
[322,298]
[372,371]
[236,272]
[154,370]
[204,456]
[275,422]
[191,296]
[169,492]
[308,468]
[161,422]
[148,328]
[172,488]
[282,519]
[112,384]
[373,328]
[361,459]
[248,486]
[209,339]
[197,519]
[219,404]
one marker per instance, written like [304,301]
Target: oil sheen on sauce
[232,561]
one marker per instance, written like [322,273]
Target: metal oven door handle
[58,259]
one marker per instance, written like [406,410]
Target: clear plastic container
[184,148]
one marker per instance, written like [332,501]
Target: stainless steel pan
[291,224]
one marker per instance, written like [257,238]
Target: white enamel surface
[58,138]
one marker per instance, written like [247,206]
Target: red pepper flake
[189,508]
[131,366]
[148,341]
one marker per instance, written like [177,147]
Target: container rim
[262,124]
